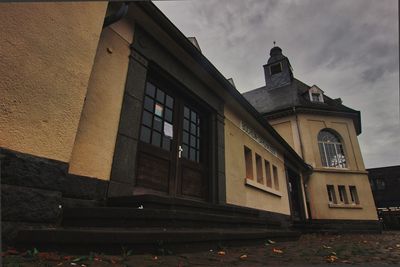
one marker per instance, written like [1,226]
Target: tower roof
[275,55]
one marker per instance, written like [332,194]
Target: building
[323,132]
[113,119]
[385,182]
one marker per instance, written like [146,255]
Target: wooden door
[172,146]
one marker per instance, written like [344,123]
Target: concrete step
[133,217]
[118,236]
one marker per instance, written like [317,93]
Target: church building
[116,129]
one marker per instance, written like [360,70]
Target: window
[268,173]
[342,194]
[259,169]
[315,97]
[380,184]
[276,68]
[331,150]
[354,195]
[248,162]
[191,134]
[157,116]
[331,194]
[276,178]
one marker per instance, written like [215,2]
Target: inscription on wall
[256,137]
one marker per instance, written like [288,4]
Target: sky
[348,48]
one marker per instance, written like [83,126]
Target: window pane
[192,141]
[156,139]
[159,110]
[149,104]
[168,115]
[185,137]
[147,118]
[193,128]
[160,96]
[145,134]
[157,124]
[150,89]
[186,112]
[169,102]
[186,124]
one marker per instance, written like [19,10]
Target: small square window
[276,68]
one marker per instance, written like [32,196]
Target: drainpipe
[116,16]
[302,156]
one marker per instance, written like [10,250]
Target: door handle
[180,149]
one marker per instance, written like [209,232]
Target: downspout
[122,11]
[302,156]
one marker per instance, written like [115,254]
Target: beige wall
[237,192]
[308,128]
[95,141]
[47,51]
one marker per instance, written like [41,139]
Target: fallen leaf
[365,241]
[333,253]
[73,263]
[221,253]
[243,257]
[271,241]
[331,259]
[49,256]
[327,247]
[155,258]
[346,261]
[397,245]
[275,250]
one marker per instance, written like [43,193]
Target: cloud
[348,48]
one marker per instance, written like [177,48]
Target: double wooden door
[172,148]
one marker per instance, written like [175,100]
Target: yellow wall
[237,192]
[308,128]
[95,141]
[47,51]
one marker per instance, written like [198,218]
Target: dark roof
[268,101]
[181,39]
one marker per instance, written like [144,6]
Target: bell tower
[278,71]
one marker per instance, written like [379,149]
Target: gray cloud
[348,48]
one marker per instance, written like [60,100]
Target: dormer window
[276,68]
[316,94]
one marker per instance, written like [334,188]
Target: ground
[310,249]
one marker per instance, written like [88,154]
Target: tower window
[331,150]
[276,68]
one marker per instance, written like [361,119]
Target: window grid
[331,150]
[191,134]
[157,116]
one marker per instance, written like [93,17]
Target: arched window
[331,150]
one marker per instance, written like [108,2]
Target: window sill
[339,170]
[345,206]
[262,187]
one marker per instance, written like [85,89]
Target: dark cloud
[348,48]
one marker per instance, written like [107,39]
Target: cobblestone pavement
[311,249]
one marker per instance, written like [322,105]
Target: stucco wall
[237,192]
[319,197]
[287,127]
[95,141]
[47,51]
